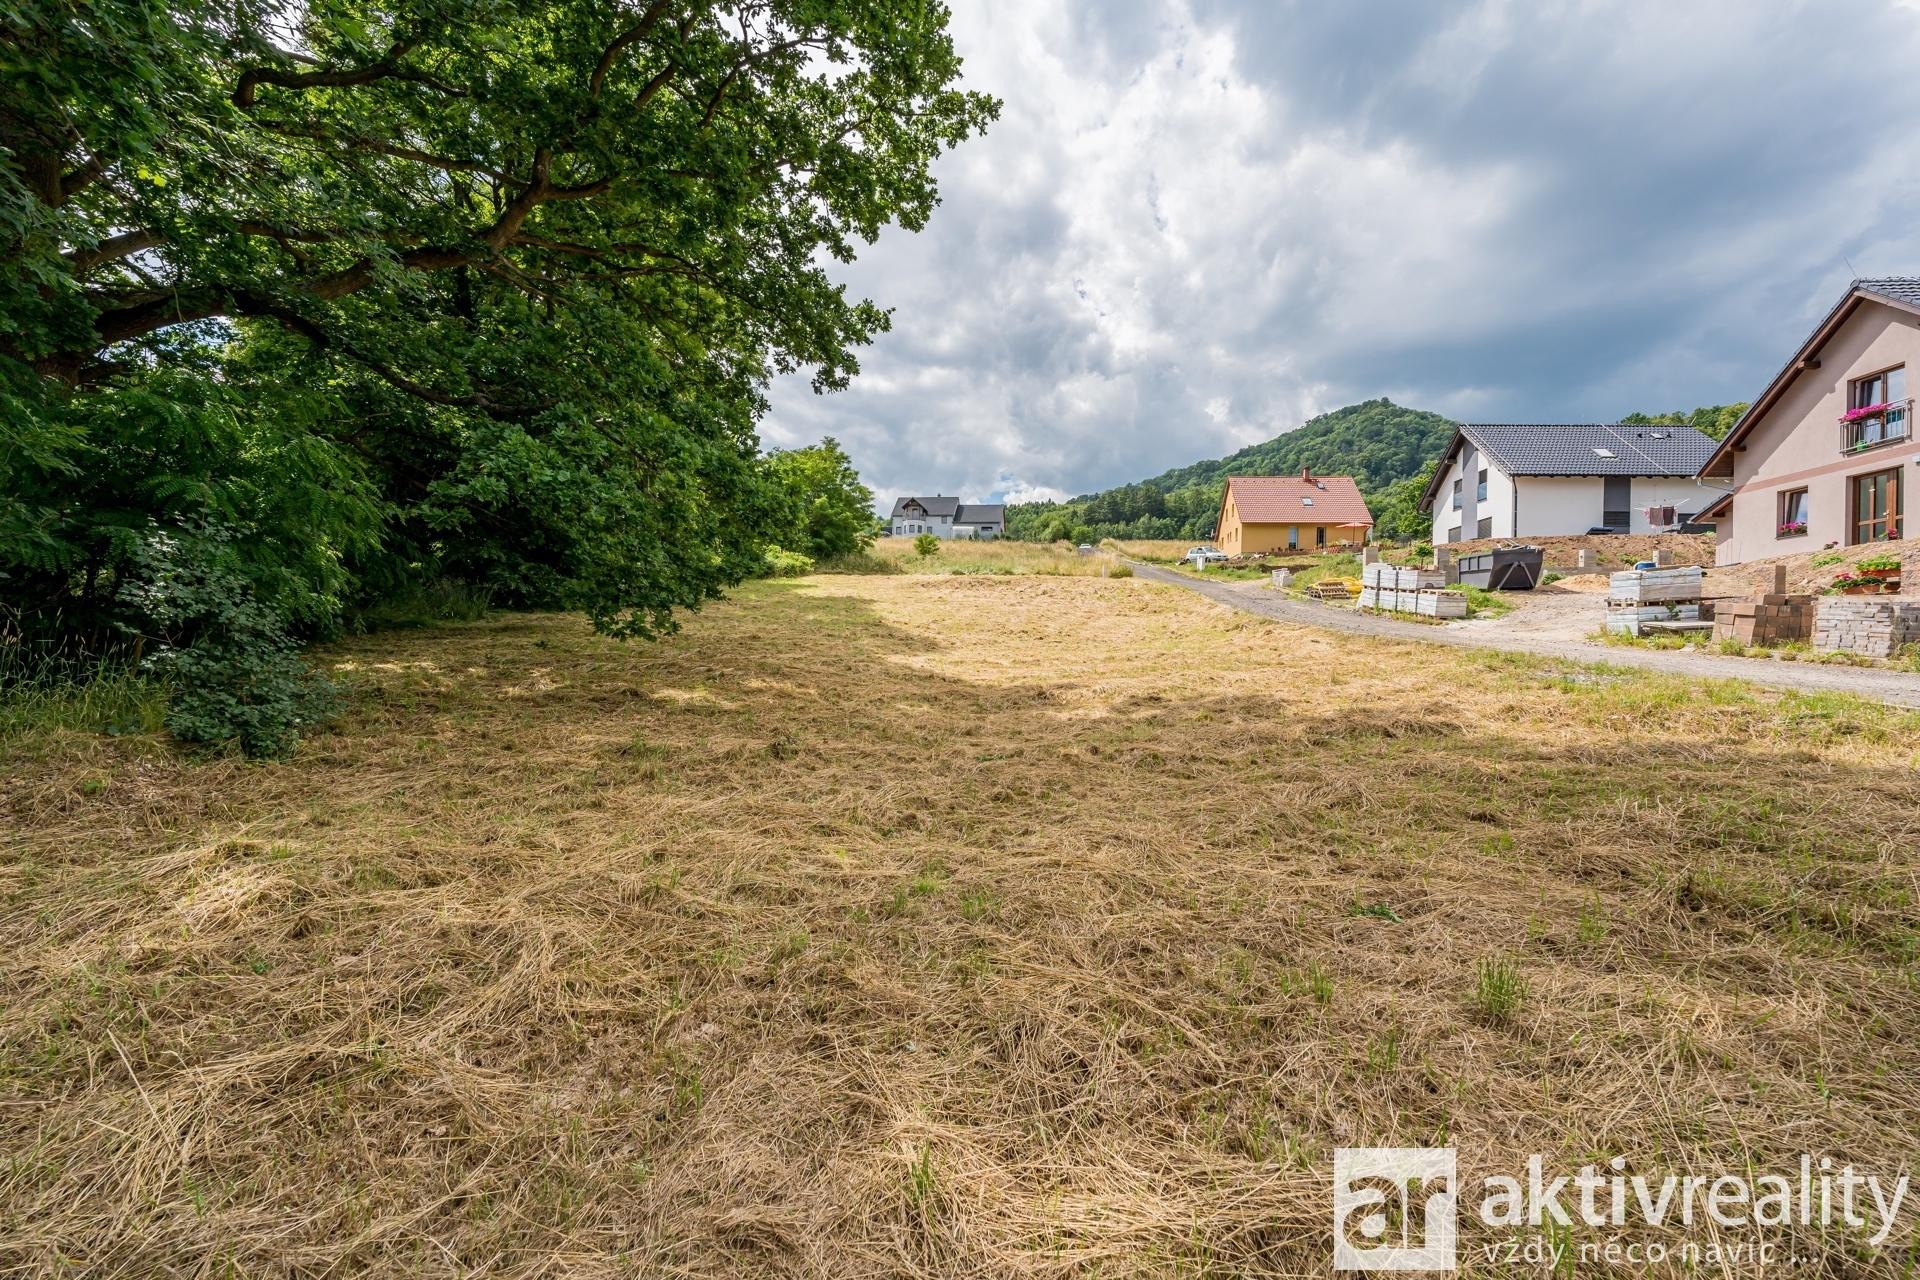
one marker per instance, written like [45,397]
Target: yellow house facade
[1263,514]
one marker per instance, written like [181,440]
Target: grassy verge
[928,926]
[1906,659]
[965,556]
[1154,550]
[1482,603]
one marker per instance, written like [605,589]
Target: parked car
[1206,554]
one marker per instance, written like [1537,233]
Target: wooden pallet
[1330,591]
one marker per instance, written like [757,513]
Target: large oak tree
[474,287]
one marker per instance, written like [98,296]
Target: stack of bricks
[1637,597]
[1874,626]
[1774,618]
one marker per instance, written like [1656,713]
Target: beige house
[1291,513]
[1827,453]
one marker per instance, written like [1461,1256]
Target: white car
[1206,555]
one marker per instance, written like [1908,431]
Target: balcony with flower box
[1875,426]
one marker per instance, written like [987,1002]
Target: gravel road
[1545,633]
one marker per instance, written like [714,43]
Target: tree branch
[626,39]
[387,68]
[112,249]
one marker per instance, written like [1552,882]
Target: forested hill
[1376,442]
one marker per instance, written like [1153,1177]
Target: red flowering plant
[1846,579]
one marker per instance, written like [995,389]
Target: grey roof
[952,508]
[1899,288]
[1572,449]
[932,506]
[1569,449]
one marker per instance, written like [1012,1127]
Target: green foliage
[416,294]
[1713,420]
[787,564]
[234,674]
[1376,442]
[927,544]
[423,602]
[1396,508]
[827,512]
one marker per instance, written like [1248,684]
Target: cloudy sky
[1200,222]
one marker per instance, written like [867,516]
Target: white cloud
[1200,221]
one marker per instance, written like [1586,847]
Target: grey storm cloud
[1200,222]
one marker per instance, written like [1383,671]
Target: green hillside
[1714,419]
[1376,442]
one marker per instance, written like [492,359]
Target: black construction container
[1502,569]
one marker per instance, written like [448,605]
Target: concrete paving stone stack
[1407,590]
[1874,628]
[1656,586]
[1440,604]
[1636,597]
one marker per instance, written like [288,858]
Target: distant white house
[1538,480]
[947,518]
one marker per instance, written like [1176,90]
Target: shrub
[926,544]
[233,673]
[422,604]
[787,564]
[1120,571]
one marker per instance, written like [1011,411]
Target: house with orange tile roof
[1291,513]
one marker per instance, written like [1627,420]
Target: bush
[1120,571]
[926,544]
[787,564]
[422,604]
[233,673]
[858,562]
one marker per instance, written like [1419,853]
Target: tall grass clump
[44,689]
[1498,989]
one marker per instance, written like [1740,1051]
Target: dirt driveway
[1553,624]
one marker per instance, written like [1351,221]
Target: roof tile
[1292,500]
[1590,448]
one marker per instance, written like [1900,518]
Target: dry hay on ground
[933,926]
[965,556]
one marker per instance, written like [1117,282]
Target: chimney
[1306,473]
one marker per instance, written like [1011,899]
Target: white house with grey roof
[947,518]
[1539,480]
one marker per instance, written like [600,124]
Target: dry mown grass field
[962,926]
